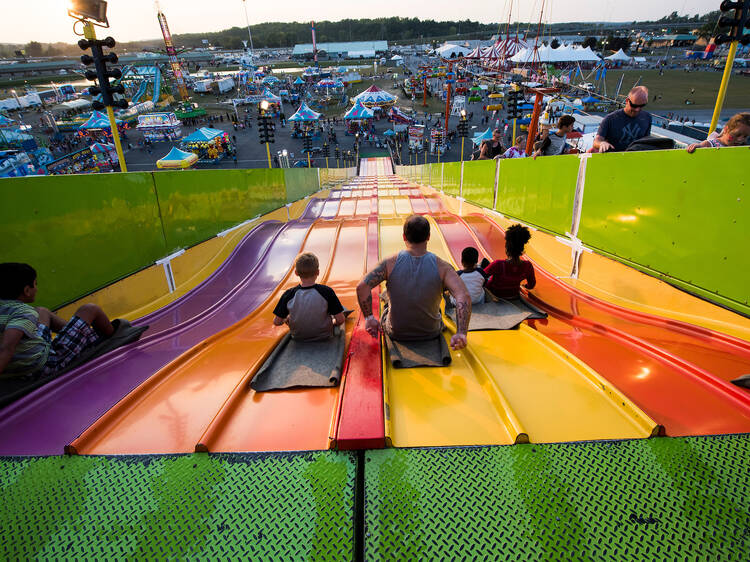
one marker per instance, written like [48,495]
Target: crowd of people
[620,130]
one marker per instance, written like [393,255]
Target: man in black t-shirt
[620,128]
[492,148]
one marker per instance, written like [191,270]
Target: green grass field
[675,86]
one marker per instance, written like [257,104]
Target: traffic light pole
[724,85]
[268,153]
[90,33]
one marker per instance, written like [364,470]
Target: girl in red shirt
[505,276]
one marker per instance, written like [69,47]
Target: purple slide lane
[43,422]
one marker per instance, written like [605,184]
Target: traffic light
[326,150]
[102,73]
[463,127]
[307,141]
[512,98]
[737,22]
[265,130]
[337,152]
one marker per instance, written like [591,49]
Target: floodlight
[89,10]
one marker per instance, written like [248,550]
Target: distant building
[683,40]
[352,49]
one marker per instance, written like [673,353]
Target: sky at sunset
[130,20]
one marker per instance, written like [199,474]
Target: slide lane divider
[97,431]
[361,421]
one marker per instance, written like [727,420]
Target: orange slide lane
[301,419]
[170,412]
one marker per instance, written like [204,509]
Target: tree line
[393,29]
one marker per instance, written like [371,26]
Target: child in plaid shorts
[26,344]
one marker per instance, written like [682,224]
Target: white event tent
[564,53]
[449,51]
[619,56]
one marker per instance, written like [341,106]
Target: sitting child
[505,276]
[308,307]
[473,277]
[734,133]
[26,344]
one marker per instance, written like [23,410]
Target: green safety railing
[680,217]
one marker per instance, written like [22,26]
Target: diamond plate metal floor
[198,507]
[655,499]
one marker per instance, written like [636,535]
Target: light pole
[250,35]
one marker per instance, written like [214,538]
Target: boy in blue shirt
[26,344]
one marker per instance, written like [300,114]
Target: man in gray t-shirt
[620,128]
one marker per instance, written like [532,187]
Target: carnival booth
[299,82]
[160,127]
[359,119]
[97,127]
[210,145]
[437,141]
[95,158]
[376,99]
[397,115]
[178,159]
[416,137]
[303,119]
[270,81]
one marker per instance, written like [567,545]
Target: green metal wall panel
[540,191]
[300,182]
[436,175]
[196,204]
[452,178]
[479,182]
[684,217]
[80,232]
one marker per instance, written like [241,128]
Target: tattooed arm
[364,295]
[453,282]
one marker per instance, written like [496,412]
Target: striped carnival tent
[304,113]
[359,111]
[375,97]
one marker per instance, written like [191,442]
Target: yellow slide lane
[453,405]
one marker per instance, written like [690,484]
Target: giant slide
[595,369]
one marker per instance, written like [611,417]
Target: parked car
[313,151]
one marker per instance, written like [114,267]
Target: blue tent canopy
[590,99]
[177,155]
[204,134]
[359,111]
[97,121]
[486,135]
[299,80]
[389,133]
[6,122]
